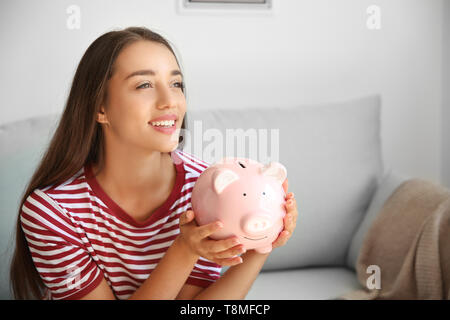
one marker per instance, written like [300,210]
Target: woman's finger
[208,229]
[290,221]
[228,262]
[285,185]
[183,218]
[291,217]
[283,237]
[222,245]
[290,195]
[290,204]
[287,221]
[186,217]
[230,253]
[291,207]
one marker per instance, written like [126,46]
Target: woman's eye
[144,86]
[180,84]
[147,85]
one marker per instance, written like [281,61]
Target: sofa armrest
[389,183]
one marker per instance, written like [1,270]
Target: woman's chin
[169,147]
[173,148]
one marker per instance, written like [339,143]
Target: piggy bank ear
[276,170]
[222,178]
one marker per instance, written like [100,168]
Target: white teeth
[166,123]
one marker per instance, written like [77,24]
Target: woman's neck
[137,184]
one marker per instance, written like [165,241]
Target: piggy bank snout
[256,224]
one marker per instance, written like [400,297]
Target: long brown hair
[78,139]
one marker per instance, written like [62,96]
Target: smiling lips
[164,124]
[168,116]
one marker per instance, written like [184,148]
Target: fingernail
[219,224]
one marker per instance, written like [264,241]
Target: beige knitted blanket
[408,245]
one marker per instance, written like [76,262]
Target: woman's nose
[165,104]
[165,99]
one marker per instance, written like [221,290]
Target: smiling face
[146,84]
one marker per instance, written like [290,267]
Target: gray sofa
[333,156]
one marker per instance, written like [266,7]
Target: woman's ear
[101,116]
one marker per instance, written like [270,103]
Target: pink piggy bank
[246,196]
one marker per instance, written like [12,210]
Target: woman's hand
[290,219]
[223,252]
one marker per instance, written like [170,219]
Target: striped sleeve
[63,262]
[204,273]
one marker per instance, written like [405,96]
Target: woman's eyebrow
[150,72]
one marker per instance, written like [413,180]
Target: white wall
[308,51]
[446,95]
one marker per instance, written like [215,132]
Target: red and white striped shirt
[78,235]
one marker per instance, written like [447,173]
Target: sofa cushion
[332,153]
[303,284]
[21,146]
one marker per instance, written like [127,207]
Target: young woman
[107,212]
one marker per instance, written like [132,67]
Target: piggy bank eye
[244,194]
[264,193]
